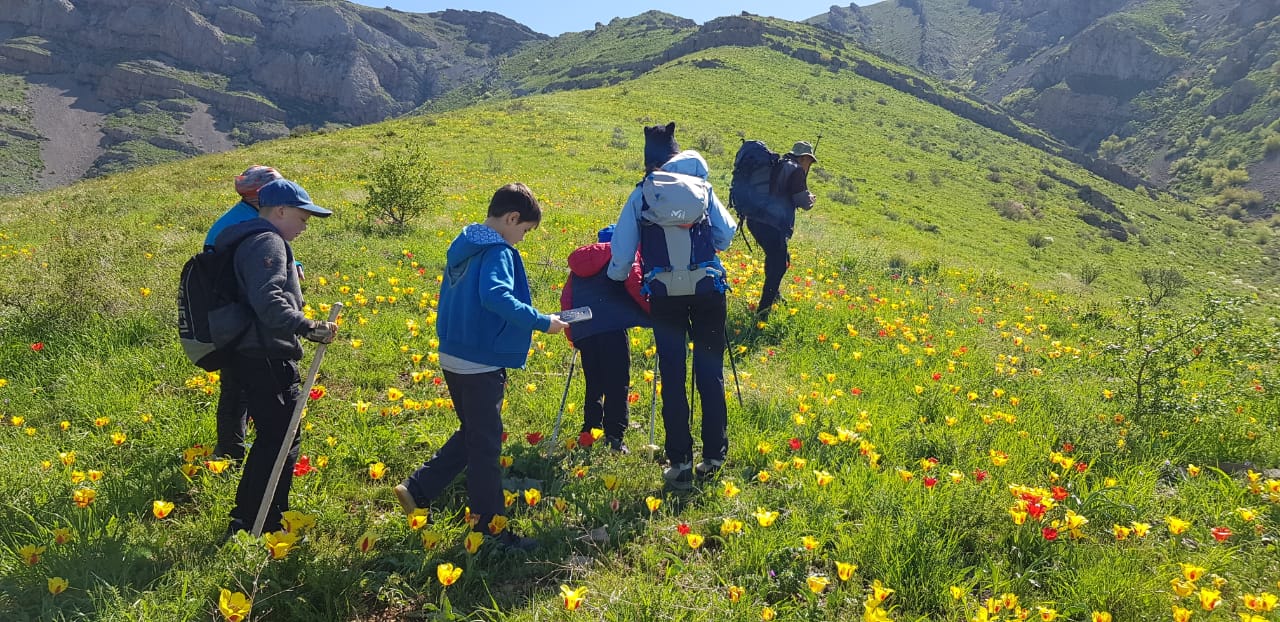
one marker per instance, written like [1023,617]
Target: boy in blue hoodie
[485,324]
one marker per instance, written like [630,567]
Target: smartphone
[576,314]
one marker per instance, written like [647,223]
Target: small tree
[1162,283]
[402,185]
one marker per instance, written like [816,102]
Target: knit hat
[605,234]
[659,144]
[254,177]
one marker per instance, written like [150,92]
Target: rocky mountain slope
[1179,90]
[170,78]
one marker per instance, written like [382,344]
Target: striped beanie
[254,177]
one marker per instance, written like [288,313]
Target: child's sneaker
[406,499]
[617,445]
[679,476]
[708,469]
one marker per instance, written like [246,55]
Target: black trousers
[231,418]
[676,321]
[273,388]
[773,241]
[476,447]
[606,365]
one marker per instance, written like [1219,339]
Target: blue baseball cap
[285,192]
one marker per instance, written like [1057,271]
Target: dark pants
[273,389]
[676,320]
[773,241]
[232,415]
[606,364]
[476,447]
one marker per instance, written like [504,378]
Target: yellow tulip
[234,606]
[57,585]
[448,574]
[161,509]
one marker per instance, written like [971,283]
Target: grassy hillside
[934,354]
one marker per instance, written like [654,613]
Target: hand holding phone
[577,314]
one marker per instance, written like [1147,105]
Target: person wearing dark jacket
[602,340]
[772,233]
[266,358]
[233,405]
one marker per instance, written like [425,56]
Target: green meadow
[975,405]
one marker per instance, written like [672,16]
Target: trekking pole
[732,363]
[274,480]
[555,433]
[653,408]
[815,144]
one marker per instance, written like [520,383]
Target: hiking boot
[406,499]
[235,452]
[708,469]
[512,542]
[679,476]
[617,445]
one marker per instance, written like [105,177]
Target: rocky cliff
[262,67]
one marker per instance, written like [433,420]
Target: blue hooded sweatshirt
[485,313]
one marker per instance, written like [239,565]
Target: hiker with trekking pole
[766,190]
[677,223]
[265,358]
[602,339]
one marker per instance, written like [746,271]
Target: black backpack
[208,288]
[754,190]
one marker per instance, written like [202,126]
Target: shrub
[1039,240]
[1248,199]
[1089,272]
[1162,283]
[1185,211]
[1272,144]
[710,144]
[402,185]
[1012,210]
[619,139]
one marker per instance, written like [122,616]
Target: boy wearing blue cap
[602,340]
[266,358]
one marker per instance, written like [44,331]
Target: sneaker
[406,499]
[679,476]
[617,445]
[513,542]
[708,469]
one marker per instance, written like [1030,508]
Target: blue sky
[555,18]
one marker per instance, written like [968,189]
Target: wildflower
[431,539]
[765,517]
[189,469]
[278,543]
[57,585]
[817,583]
[845,570]
[418,519]
[1192,572]
[83,497]
[161,509]
[930,482]
[302,466]
[366,542]
[30,553]
[1049,533]
[998,458]
[532,496]
[294,521]
[1176,525]
[653,503]
[62,535]
[68,458]
[472,542]
[1209,599]
[1220,533]
[447,574]
[735,593]
[730,489]
[730,526]
[235,606]
[377,470]
[694,540]
[572,597]
[823,477]
[1247,515]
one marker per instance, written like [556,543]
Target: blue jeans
[476,446]
[676,320]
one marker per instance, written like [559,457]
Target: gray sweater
[269,288]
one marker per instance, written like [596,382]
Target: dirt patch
[69,117]
[204,135]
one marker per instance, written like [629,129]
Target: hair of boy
[518,198]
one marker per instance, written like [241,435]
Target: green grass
[19,155]
[899,344]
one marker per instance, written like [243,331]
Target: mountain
[97,87]
[1185,92]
